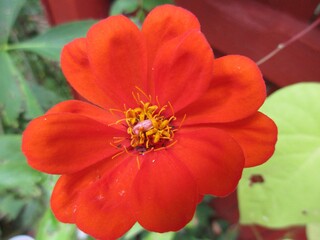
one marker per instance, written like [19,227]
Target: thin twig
[282,46]
[1,128]
[256,233]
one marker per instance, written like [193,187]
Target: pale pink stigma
[144,126]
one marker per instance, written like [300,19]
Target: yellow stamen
[148,126]
[118,154]
[172,111]
[112,110]
[138,162]
[182,121]
[166,147]
[144,94]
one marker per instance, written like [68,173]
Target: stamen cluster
[148,127]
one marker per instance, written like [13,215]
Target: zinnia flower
[164,124]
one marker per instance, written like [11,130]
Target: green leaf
[287,193]
[134,231]
[22,198]
[10,95]
[15,93]
[50,43]
[50,228]
[148,5]
[10,207]
[9,10]
[204,213]
[15,174]
[20,178]
[124,7]
[313,231]
[10,148]
[45,97]
[232,233]
[33,210]
[159,236]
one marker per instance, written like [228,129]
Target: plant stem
[256,233]
[1,128]
[282,46]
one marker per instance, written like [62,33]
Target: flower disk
[163,124]
[148,128]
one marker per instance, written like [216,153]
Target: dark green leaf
[15,93]
[9,10]
[45,97]
[15,174]
[10,95]
[33,210]
[204,213]
[124,7]
[21,194]
[50,43]
[150,4]
[10,148]
[10,206]
[20,178]
[230,234]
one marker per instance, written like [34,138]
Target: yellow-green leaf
[288,192]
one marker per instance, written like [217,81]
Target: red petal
[165,23]
[164,193]
[257,136]
[104,209]
[237,91]
[117,54]
[66,143]
[182,70]
[76,68]
[212,156]
[67,189]
[85,109]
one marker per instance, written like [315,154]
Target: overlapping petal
[76,67]
[68,188]
[237,91]
[66,143]
[118,58]
[212,156]
[182,70]
[87,110]
[109,201]
[257,136]
[164,193]
[165,23]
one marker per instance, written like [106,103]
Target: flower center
[148,127]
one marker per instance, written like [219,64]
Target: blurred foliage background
[30,84]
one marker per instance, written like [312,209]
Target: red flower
[167,124]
